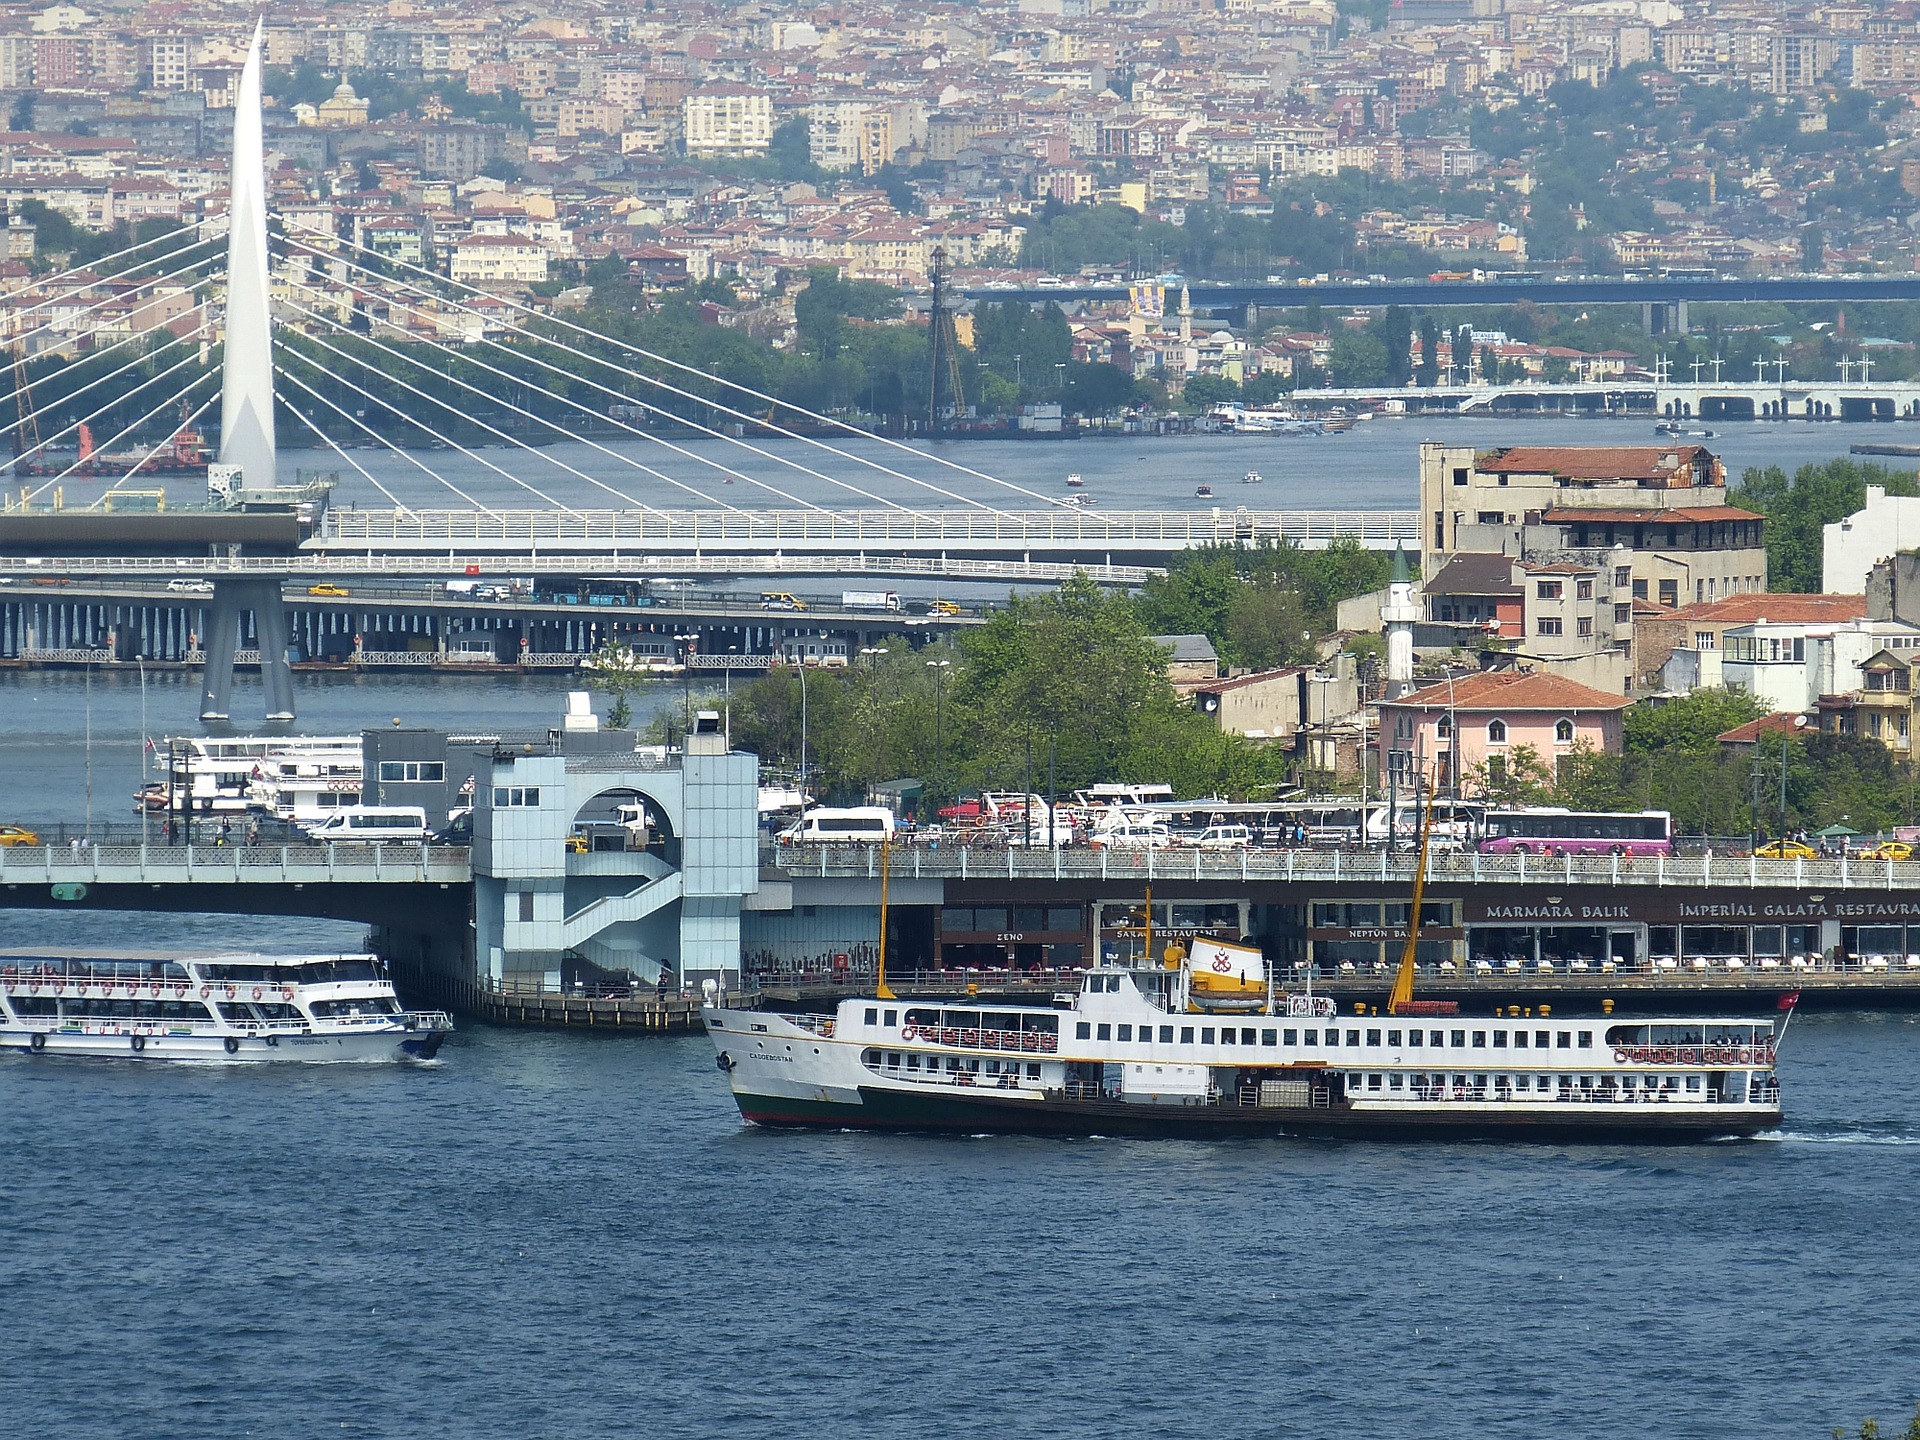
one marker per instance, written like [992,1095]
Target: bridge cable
[530,415]
[415,420]
[840,425]
[23,336]
[576,378]
[380,439]
[456,411]
[585,409]
[171,400]
[138,360]
[40,282]
[165,440]
[399,505]
[116,298]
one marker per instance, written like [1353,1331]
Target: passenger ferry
[1206,1045]
[238,1009]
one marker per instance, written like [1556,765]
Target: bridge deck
[162,864]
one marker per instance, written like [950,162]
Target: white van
[1224,837]
[823,826]
[1132,835]
[373,824]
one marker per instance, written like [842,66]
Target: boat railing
[821,1025]
[1023,1042]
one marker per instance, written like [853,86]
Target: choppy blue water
[558,1235]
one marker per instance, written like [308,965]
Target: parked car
[1787,850]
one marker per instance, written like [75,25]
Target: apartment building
[727,120]
[503,260]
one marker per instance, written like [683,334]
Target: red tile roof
[1785,609]
[1512,690]
[1779,722]
[1593,462]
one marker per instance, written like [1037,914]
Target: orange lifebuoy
[205,991]
[286,992]
[258,992]
[908,1032]
[230,992]
[1620,1056]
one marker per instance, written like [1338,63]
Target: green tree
[1798,507]
[1429,371]
[1691,723]
[1202,391]
[1358,359]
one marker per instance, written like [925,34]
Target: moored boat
[235,1008]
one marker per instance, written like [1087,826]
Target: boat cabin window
[1126,1032]
[1269,1037]
[1105,1033]
[1206,1034]
[1186,1034]
[1519,1039]
[1586,1039]
[1353,1037]
[1541,1039]
[1459,1039]
[1290,1037]
[1373,1037]
[1499,1039]
[1479,1039]
[1566,1040]
[1393,1037]
[1166,1034]
[892,1018]
[1083,1030]
[873,1015]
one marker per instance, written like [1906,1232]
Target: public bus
[1555,831]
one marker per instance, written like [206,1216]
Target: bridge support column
[264,598]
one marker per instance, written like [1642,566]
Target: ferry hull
[375,1045]
[881,1108]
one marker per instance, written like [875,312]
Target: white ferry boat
[1208,1046]
[238,1009]
[305,781]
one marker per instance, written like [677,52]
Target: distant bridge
[1665,292]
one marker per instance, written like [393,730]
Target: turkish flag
[1790,999]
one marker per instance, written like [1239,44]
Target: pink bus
[1552,831]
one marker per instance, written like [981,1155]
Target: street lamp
[687,643]
[800,664]
[939,668]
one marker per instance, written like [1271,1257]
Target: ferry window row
[1330,1037]
[1482,1087]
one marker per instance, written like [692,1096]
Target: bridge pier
[264,598]
[1663,317]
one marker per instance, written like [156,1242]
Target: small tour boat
[238,1009]
[1203,491]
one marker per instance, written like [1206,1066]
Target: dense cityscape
[668,671]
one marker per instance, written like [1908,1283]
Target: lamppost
[800,664]
[939,668]
[145,744]
[687,644]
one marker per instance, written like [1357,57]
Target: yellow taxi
[1889,850]
[328,588]
[576,844]
[11,835]
[943,607]
[1787,850]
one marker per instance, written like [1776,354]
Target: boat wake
[1841,1137]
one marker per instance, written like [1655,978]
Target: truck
[869,600]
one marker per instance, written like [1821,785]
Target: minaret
[1186,315]
[1399,616]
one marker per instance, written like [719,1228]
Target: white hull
[384,1044]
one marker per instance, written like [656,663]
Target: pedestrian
[226,831]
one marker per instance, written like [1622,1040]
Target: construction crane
[26,430]
[946,348]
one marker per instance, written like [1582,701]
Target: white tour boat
[238,1008]
[1208,1046]
[305,781]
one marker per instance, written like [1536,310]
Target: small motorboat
[1081,501]
[1203,491]
[1076,481]
[1252,477]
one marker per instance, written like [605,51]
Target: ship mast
[1402,995]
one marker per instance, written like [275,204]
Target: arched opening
[1496,732]
[1563,732]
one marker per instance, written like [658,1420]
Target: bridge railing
[82,863]
[1052,527]
[1393,869]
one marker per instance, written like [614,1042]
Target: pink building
[1496,712]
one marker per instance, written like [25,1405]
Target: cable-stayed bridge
[547,447]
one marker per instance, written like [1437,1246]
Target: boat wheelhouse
[237,1008]
[1208,1045]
